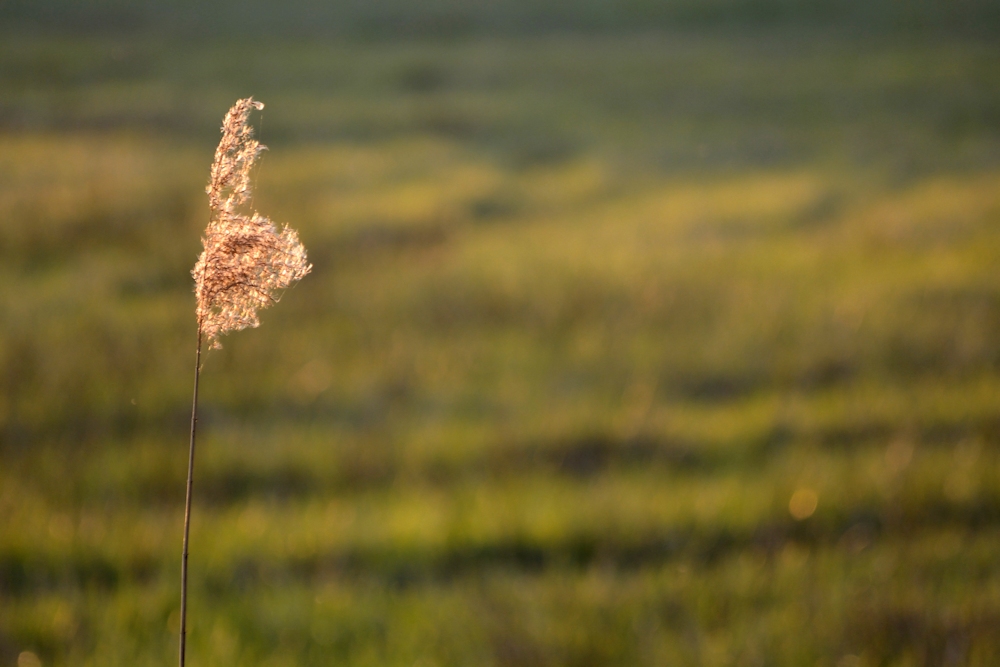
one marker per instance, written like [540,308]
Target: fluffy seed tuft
[245,260]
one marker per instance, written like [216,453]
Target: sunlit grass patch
[618,349]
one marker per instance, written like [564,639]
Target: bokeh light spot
[803,503]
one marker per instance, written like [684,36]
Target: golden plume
[245,260]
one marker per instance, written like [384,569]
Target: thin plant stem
[187,502]
[244,260]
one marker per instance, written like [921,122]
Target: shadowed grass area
[649,348]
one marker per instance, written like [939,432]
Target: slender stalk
[245,260]
[187,502]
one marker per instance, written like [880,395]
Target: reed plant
[245,263]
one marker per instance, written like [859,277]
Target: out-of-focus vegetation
[662,347]
[448,19]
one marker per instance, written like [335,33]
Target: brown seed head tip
[245,260]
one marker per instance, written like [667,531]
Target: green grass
[586,312]
[388,20]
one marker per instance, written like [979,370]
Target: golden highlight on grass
[245,261]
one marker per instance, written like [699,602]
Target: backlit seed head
[245,260]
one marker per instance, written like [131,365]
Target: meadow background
[661,333]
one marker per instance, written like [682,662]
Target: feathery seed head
[245,258]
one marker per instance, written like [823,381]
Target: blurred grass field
[659,348]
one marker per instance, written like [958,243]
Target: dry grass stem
[245,261]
